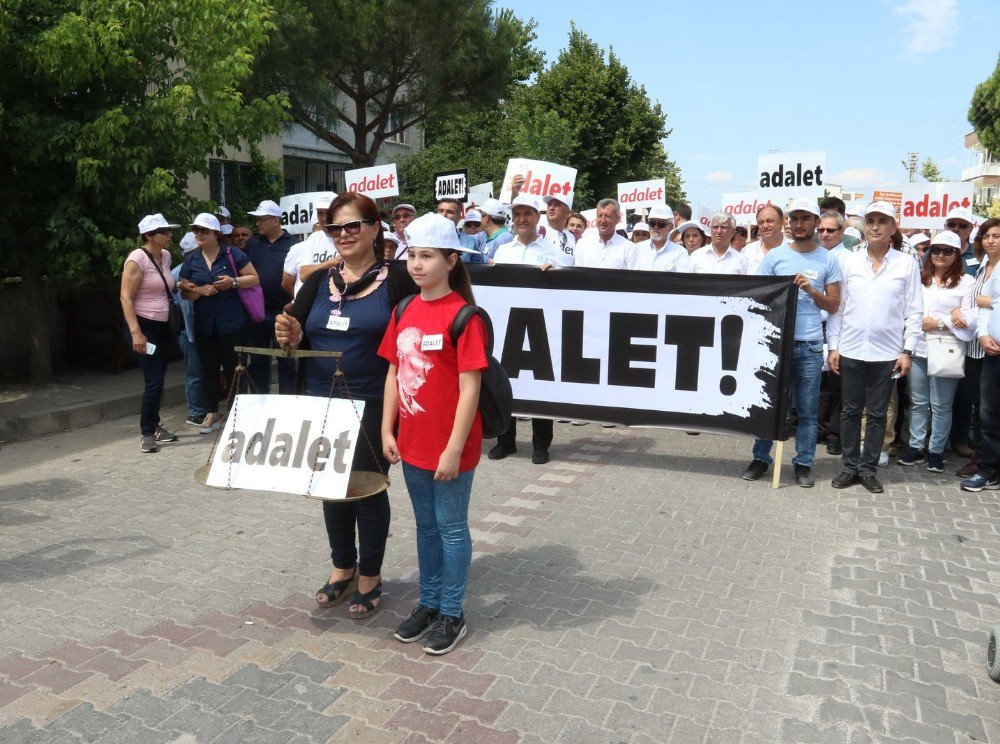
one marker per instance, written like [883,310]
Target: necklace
[341,291]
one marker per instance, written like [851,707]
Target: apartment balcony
[982,170]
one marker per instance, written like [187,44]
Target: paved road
[634,590]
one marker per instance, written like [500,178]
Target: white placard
[480,192]
[540,179]
[642,194]
[289,443]
[451,185]
[298,211]
[376,182]
[591,216]
[705,217]
[926,204]
[743,205]
[784,175]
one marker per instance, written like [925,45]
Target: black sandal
[366,600]
[336,591]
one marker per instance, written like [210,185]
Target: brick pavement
[633,590]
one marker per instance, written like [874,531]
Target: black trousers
[154,370]
[866,388]
[829,406]
[541,434]
[215,351]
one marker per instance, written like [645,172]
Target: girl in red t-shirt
[432,393]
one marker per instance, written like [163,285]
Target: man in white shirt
[316,249]
[557,214]
[658,253]
[605,248]
[769,221]
[402,215]
[719,256]
[871,338]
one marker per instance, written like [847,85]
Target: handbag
[251,297]
[945,356]
[175,316]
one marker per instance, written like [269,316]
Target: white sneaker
[883,459]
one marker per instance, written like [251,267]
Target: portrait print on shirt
[414,367]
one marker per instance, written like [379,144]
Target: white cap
[324,201]
[960,213]
[643,226]
[227,229]
[854,233]
[947,237]
[266,208]
[881,207]
[493,207]
[561,198]
[207,220]
[660,212]
[855,209]
[385,226]
[434,231]
[919,238]
[153,222]
[222,212]
[188,243]
[803,205]
[526,200]
[473,216]
[684,226]
[391,236]
[410,207]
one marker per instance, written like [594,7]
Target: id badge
[432,343]
[338,323]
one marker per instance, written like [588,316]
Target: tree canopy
[930,171]
[984,112]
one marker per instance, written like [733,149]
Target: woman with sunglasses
[346,308]
[146,283]
[210,277]
[948,292]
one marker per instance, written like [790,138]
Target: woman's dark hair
[368,211]
[951,277]
[458,277]
[740,231]
[983,229]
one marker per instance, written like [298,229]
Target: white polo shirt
[671,257]
[616,253]
[539,251]
[315,249]
[706,261]
[880,314]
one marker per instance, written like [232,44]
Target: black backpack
[496,398]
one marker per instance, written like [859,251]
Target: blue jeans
[444,545]
[192,377]
[807,371]
[930,397]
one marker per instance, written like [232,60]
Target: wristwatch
[940,325]
[236,282]
[908,352]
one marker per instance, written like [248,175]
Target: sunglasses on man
[658,224]
[351,228]
[825,230]
[953,225]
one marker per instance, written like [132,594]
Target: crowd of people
[895,347]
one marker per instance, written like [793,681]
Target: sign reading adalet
[376,182]
[298,211]
[540,179]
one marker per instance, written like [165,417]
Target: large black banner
[702,352]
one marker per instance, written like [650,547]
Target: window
[225,180]
[303,175]
[396,120]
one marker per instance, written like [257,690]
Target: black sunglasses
[351,228]
[957,225]
[657,224]
[942,250]
[828,229]
[199,230]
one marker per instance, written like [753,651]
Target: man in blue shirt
[494,215]
[817,275]
[452,209]
[267,251]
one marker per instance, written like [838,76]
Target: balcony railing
[980,170]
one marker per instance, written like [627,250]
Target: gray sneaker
[148,443]
[162,435]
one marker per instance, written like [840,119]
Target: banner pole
[776,481]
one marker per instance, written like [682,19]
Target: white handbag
[945,356]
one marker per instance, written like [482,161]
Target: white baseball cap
[473,216]
[643,226]
[266,208]
[948,238]
[227,229]
[660,212]
[409,207]
[324,201]
[188,243]
[153,222]
[526,200]
[434,231]
[684,226]
[566,199]
[854,233]
[960,213]
[881,207]
[391,236]
[222,212]
[803,205]
[207,220]
[493,207]
[919,238]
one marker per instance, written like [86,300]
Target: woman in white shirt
[948,294]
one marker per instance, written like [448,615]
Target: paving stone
[146,708]
[306,666]
[86,723]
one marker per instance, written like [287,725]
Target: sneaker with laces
[979,483]
[883,458]
[935,462]
[147,443]
[413,628]
[912,457]
[445,634]
[162,435]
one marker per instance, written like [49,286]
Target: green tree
[930,171]
[106,107]
[984,112]
[994,208]
[358,72]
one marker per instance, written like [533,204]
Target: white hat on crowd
[641,226]
[222,212]
[881,207]
[207,220]
[227,229]
[266,208]
[473,216]
[854,233]
[948,238]
[408,207]
[434,231]
[660,212]
[493,207]
[566,199]
[526,200]
[919,238]
[391,236]
[803,205]
[188,243]
[960,213]
[684,226]
[154,222]
[325,200]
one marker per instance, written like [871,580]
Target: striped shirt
[973,349]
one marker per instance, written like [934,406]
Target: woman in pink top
[146,282]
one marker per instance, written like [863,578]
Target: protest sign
[743,205]
[297,211]
[480,192]
[591,216]
[693,351]
[540,179]
[705,217]
[289,443]
[451,185]
[376,182]
[785,175]
[895,198]
[925,205]
[642,194]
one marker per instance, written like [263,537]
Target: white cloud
[932,25]
[719,177]
[864,178]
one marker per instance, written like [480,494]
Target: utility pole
[911,165]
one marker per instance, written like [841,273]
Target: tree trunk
[37,314]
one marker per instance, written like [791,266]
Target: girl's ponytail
[458,279]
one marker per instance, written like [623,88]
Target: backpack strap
[462,318]
[401,306]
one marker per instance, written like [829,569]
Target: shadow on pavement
[70,556]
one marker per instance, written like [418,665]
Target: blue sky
[868,82]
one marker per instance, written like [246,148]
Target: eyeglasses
[351,228]
[828,229]
[943,250]
[952,225]
[198,230]
[658,224]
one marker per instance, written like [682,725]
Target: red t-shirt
[427,369]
